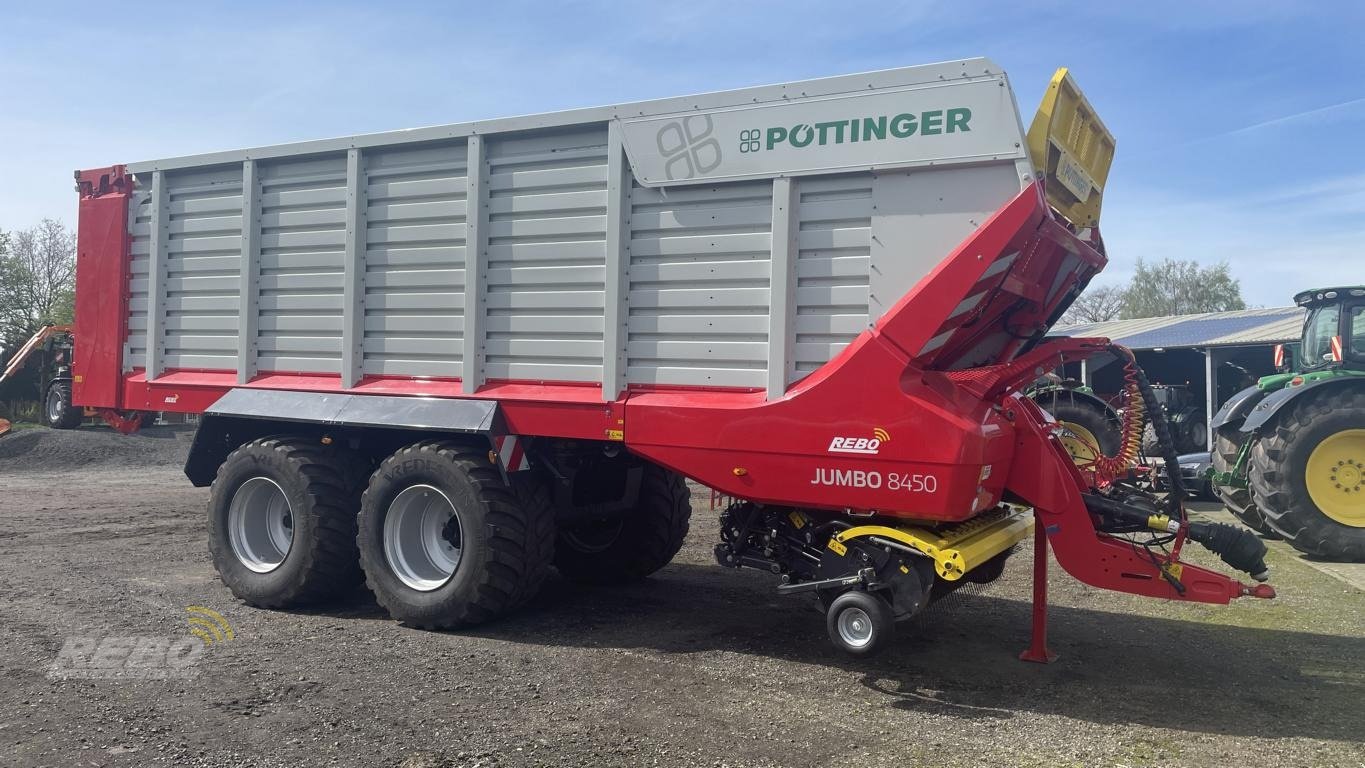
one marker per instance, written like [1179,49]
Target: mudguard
[243,415]
[1273,403]
[1237,407]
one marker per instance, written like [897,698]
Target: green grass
[21,426]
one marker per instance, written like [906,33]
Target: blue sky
[1238,123]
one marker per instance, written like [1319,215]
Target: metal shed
[1219,338]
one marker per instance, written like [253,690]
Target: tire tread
[1287,507]
[331,560]
[520,542]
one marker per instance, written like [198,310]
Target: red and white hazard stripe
[989,280]
[1279,355]
[1336,348]
[510,453]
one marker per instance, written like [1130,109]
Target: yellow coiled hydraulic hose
[1107,468]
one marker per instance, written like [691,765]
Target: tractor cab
[1334,332]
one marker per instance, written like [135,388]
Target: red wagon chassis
[454,358]
[912,420]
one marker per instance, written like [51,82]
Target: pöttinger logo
[749,140]
[688,147]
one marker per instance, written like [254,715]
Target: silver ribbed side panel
[303,239]
[699,274]
[546,232]
[415,261]
[203,263]
[831,267]
[525,249]
[139,265]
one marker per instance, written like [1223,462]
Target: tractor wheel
[57,408]
[1227,444]
[282,522]
[445,543]
[633,545]
[1086,426]
[860,623]
[1308,475]
[1151,446]
[1196,432]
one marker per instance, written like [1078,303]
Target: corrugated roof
[1275,325]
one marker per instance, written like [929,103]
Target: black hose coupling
[1238,547]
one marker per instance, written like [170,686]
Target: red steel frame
[957,441]
[101,325]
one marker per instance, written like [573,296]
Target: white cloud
[1277,242]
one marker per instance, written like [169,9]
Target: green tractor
[1184,412]
[1289,456]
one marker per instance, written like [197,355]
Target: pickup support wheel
[282,522]
[445,543]
[860,623]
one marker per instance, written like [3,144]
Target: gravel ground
[100,535]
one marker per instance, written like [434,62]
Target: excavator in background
[54,345]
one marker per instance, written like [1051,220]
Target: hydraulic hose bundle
[1130,512]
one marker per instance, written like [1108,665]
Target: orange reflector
[740,471]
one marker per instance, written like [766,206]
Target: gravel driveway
[102,537]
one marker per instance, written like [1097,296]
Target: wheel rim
[260,524]
[1336,477]
[855,627]
[423,538]
[594,537]
[1079,442]
[54,404]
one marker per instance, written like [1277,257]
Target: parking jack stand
[1038,651]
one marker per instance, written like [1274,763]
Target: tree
[1175,287]
[37,280]
[1096,305]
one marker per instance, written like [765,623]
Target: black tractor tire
[633,545]
[321,560]
[58,411]
[860,623]
[1227,444]
[1279,462]
[506,536]
[1151,446]
[1196,432]
[1085,414]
